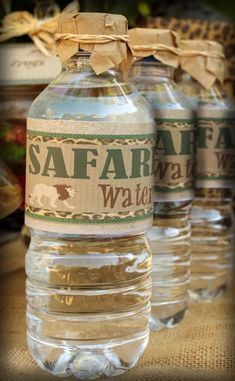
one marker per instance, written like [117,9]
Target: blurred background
[138,10]
[197,19]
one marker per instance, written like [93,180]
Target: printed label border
[107,220]
[89,136]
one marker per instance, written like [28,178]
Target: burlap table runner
[202,348]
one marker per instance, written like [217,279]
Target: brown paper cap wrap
[203,60]
[160,43]
[104,56]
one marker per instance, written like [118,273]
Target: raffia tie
[91,38]
[41,32]
[193,53]
[155,48]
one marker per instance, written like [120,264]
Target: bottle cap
[103,35]
[162,44]
[203,60]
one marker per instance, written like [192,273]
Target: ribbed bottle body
[169,237]
[88,303]
[169,240]
[211,243]
[211,215]
[88,286]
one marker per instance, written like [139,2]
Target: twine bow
[40,31]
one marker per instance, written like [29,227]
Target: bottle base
[156,323]
[87,361]
[207,294]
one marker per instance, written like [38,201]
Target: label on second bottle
[215,149]
[85,183]
[175,155]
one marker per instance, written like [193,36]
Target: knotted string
[91,38]
[155,48]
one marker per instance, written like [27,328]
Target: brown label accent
[88,182]
[215,149]
[175,155]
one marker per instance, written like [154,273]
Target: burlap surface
[202,348]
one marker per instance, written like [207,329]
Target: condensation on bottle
[169,237]
[88,204]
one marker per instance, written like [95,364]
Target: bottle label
[25,64]
[175,155]
[215,149]
[81,182]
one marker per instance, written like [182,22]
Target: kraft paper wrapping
[161,43]
[220,31]
[203,60]
[104,55]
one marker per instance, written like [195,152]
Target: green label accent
[175,159]
[75,180]
[215,150]
[85,219]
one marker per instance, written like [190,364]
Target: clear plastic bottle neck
[154,69]
[81,62]
[214,94]
[182,76]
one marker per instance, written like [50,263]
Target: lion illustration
[58,192]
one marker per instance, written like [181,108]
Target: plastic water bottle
[88,203]
[211,215]
[169,237]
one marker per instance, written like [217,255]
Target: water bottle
[211,215]
[169,237]
[88,204]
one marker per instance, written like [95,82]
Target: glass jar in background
[15,101]
[24,73]
[10,192]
